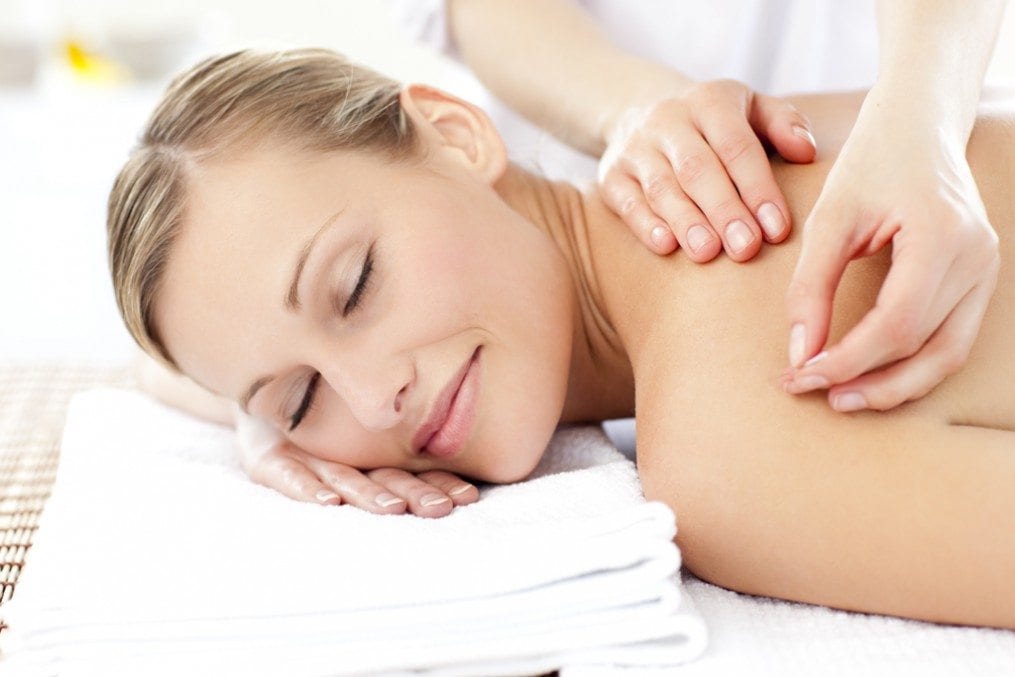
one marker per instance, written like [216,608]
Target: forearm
[933,57]
[551,63]
[180,392]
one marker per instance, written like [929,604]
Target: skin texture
[902,177]
[774,495]
[682,161]
[781,496]
[437,292]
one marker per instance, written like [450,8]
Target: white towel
[156,555]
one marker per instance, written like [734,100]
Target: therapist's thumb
[786,128]
[811,293]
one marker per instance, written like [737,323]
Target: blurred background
[77,81]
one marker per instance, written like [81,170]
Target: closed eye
[306,404]
[361,284]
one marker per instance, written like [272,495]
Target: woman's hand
[271,460]
[691,169]
[901,182]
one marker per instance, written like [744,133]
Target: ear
[457,129]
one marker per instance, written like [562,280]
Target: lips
[447,427]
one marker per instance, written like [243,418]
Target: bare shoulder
[781,496]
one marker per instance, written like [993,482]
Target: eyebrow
[292,299]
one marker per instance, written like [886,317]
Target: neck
[601,383]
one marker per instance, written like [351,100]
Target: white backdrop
[62,140]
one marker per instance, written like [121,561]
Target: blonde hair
[313,97]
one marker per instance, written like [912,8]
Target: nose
[374,389]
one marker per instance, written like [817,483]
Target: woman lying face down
[359,264]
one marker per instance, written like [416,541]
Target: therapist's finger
[910,379]
[667,200]
[624,196]
[746,163]
[825,252]
[911,305]
[786,128]
[703,178]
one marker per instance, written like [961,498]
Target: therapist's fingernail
[697,237]
[738,235]
[324,496]
[797,338]
[805,133]
[771,220]
[809,382]
[661,237]
[385,500]
[849,402]
[433,499]
[817,358]
[460,489]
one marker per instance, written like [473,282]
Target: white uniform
[774,46]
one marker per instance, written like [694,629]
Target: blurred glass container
[20,57]
[152,51]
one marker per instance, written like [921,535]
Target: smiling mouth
[447,428]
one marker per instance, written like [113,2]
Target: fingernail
[460,490]
[738,235]
[810,382]
[771,220]
[805,133]
[658,236]
[817,358]
[849,402]
[385,500]
[797,338]
[324,495]
[697,237]
[433,499]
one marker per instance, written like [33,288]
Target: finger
[910,306]
[355,487]
[747,164]
[624,196]
[786,128]
[704,179]
[424,499]
[459,491]
[910,379]
[823,257]
[667,200]
[292,478]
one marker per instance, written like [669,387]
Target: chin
[508,475]
[516,459]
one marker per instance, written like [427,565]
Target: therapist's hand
[691,169]
[275,462]
[900,182]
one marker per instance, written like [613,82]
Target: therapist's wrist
[647,85]
[922,109]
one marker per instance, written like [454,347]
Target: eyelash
[306,405]
[361,284]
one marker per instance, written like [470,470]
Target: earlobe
[457,128]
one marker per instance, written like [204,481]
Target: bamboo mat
[33,403]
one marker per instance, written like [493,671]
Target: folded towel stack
[157,555]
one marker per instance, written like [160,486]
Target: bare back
[909,512]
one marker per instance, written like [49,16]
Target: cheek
[335,435]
